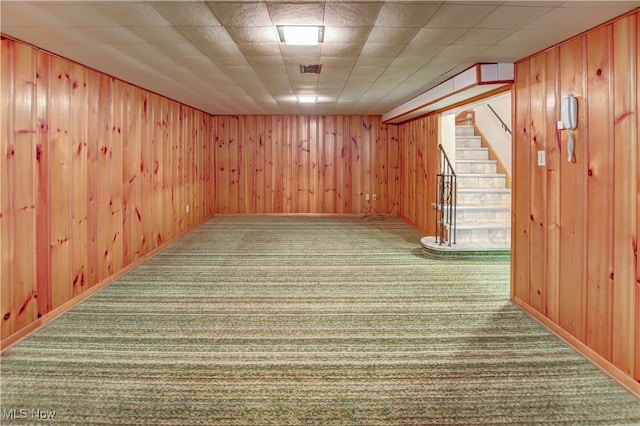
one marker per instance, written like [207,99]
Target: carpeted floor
[304,321]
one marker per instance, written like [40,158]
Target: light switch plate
[542,159]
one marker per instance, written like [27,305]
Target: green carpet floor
[304,321]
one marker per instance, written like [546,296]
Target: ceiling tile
[351,14]
[381,50]
[386,35]
[459,16]
[237,14]
[259,49]
[296,13]
[427,36]
[512,17]
[194,14]
[131,14]
[213,35]
[253,34]
[483,36]
[348,35]
[406,15]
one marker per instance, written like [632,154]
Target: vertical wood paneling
[637,199]
[59,181]
[94,174]
[79,169]
[600,196]
[538,186]
[573,193]
[520,193]
[6,190]
[132,178]
[23,153]
[302,164]
[554,157]
[93,155]
[43,163]
[591,203]
[415,145]
[625,204]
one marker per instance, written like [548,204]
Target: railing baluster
[447,199]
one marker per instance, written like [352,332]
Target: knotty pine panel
[624,302]
[97,173]
[591,203]
[419,157]
[302,164]
[520,222]
[600,197]
[574,196]
[6,191]
[538,184]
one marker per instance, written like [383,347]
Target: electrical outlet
[187,208]
[367,197]
[542,159]
[375,197]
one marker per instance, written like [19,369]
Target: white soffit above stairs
[479,79]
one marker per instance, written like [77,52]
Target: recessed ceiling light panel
[301,35]
[307,99]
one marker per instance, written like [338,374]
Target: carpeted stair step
[468,141]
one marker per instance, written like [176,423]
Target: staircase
[484,202]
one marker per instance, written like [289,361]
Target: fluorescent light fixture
[301,35]
[307,99]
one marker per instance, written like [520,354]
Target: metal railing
[504,125]
[447,199]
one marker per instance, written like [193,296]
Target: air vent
[310,69]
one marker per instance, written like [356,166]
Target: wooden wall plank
[156,167]
[78,129]
[520,222]
[432,163]
[262,182]
[554,157]
[93,154]
[637,200]
[104,204]
[329,163]
[303,150]
[623,326]
[7,226]
[343,166]
[537,285]
[234,161]
[132,178]
[43,257]
[116,223]
[573,193]
[600,197]
[394,169]
[59,180]
[315,174]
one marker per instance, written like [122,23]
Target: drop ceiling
[226,58]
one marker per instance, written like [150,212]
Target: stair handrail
[504,125]
[447,199]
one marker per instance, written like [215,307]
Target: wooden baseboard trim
[14,338]
[614,372]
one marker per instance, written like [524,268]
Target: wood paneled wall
[575,224]
[419,142]
[94,173]
[306,164]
